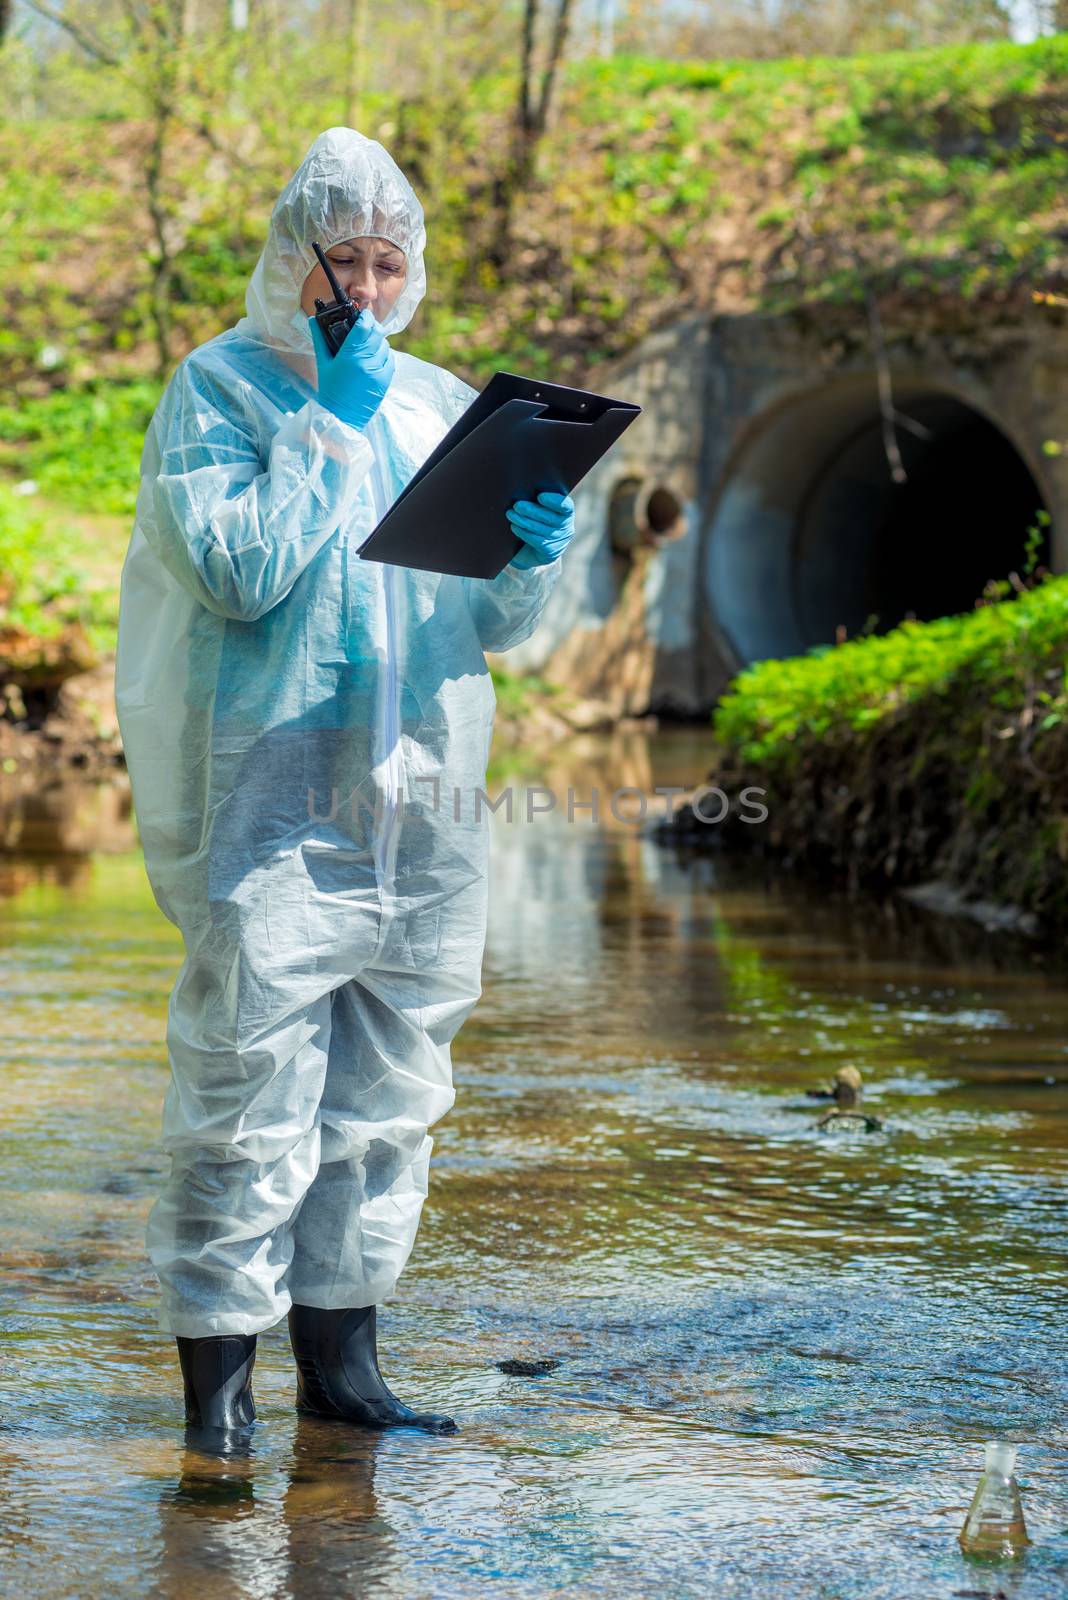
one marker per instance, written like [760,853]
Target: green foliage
[775,708]
[517,693]
[47,575]
[918,171]
[938,750]
[69,232]
[862,145]
[81,445]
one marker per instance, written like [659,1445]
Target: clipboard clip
[553,411]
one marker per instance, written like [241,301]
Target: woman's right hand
[353,383]
[545,526]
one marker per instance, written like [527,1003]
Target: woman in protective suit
[307,735]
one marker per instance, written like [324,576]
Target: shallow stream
[779,1350]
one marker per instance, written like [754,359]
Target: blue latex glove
[353,383]
[545,526]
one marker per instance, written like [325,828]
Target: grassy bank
[937,750]
[59,575]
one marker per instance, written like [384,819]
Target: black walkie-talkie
[337,317]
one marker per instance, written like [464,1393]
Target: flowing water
[779,1350]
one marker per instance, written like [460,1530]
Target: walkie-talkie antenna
[331,277]
[336,319]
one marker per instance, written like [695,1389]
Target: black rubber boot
[219,1408]
[338,1376]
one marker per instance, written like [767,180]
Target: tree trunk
[531,121]
[168,60]
[356,42]
[159,293]
[439,89]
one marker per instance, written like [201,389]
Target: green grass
[50,575]
[82,445]
[861,145]
[938,750]
[776,707]
[517,694]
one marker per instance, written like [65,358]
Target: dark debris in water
[528,1369]
[829,1118]
[825,1355]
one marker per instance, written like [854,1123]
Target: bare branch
[526,100]
[100,53]
[556,51]
[88,43]
[920,429]
[137,18]
[683,278]
[886,398]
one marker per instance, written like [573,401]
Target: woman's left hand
[545,526]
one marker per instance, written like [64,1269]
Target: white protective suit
[275,692]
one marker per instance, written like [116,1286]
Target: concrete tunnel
[755,510]
[825,524]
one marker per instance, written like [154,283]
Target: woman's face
[371,271]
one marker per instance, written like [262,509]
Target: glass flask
[994,1528]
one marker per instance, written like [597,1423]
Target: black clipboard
[516,439]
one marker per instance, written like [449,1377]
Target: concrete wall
[800,512]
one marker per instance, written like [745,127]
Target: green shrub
[46,575]
[775,705]
[82,445]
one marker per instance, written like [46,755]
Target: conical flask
[994,1528]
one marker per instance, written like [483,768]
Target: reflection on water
[779,1350]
